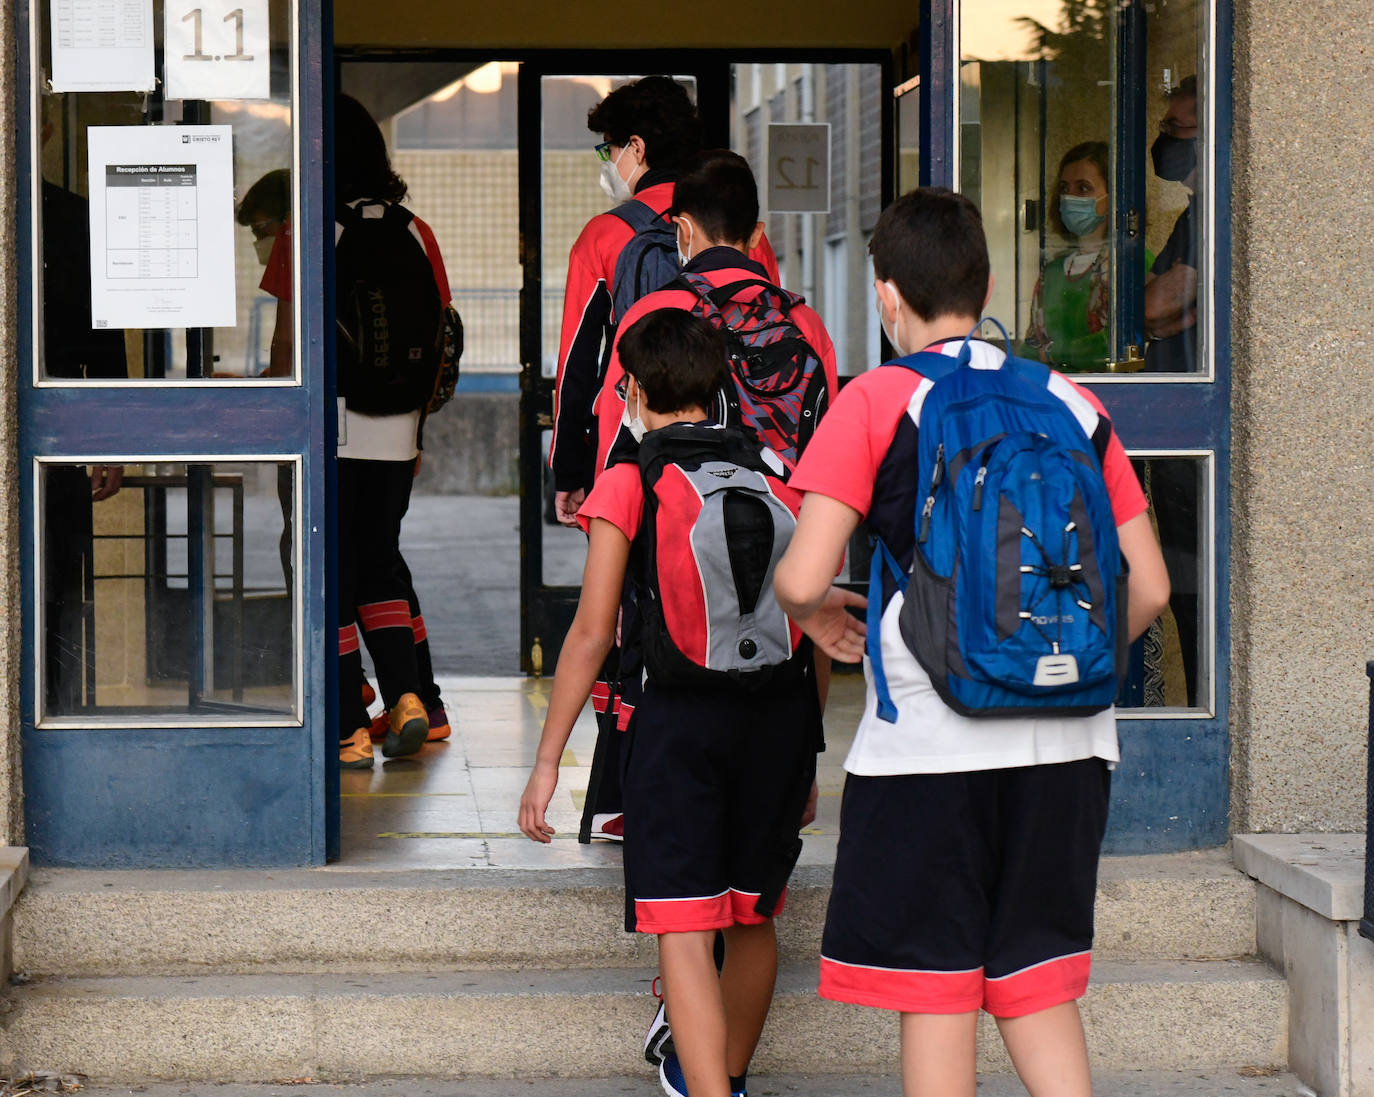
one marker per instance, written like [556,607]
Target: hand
[809,812]
[836,631]
[566,504]
[105,481]
[535,802]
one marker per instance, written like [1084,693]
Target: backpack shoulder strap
[638,215]
[882,557]
[928,364]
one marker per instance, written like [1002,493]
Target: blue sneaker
[674,1084]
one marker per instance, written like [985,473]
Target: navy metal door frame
[1172,788]
[191,796]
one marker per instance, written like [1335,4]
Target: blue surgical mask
[1079,214]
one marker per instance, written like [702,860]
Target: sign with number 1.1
[217,49]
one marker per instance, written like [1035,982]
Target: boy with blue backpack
[720,744]
[1013,562]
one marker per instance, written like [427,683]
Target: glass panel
[823,256]
[1055,147]
[1171,665]
[151,234]
[167,590]
[572,196]
[908,109]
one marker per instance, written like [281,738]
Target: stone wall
[11,785]
[1303,344]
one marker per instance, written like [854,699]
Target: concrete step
[529,1024]
[79,923]
[1227,1082]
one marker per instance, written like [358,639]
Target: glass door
[174,420]
[559,194]
[1086,134]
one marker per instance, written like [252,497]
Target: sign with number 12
[217,49]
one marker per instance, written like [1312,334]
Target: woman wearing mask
[1071,307]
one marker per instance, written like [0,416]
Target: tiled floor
[454,804]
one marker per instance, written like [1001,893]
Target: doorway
[499,162]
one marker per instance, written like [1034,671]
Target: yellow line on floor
[394,795]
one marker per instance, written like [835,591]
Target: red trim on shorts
[348,639]
[601,697]
[742,905]
[379,615]
[903,990]
[683,915]
[417,626]
[623,713]
[1050,983]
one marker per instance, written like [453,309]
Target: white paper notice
[102,45]
[162,226]
[217,50]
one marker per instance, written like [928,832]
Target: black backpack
[647,262]
[390,315]
[712,534]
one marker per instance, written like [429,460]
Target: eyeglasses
[622,385]
[603,151]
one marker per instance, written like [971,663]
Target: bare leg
[1049,1051]
[746,984]
[938,1054]
[695,1007]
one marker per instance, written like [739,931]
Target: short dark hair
[930,243]
[658,110]
[1186,89]
[719,193]
[1096,153]
[269,197]
[678,360]
[362,168]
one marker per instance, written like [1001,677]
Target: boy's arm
[1147,591]
[584,651]
[802,581]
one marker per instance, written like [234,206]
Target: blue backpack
[647,262]
[1015,604]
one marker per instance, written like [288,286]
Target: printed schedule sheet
[162,227]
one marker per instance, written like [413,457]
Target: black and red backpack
[390,316]
[780,389]
[712,534]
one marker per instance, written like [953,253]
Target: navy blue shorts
[962,891]
[714,787]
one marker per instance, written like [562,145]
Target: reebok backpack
[390,316]
[712,534]
[647,262]
[1015,604]
[780,389]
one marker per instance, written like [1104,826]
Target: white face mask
[634,423]
[612,182]
[684,257]
[264,248]
[897,317]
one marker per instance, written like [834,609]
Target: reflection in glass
[1170,665]
[824,256]
[167,588]
[70,349]
[1084,160]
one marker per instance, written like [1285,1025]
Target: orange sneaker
[438,725]
[409,727]
[356,753]
[381,727]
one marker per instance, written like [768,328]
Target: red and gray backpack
[780,388]
[712,534]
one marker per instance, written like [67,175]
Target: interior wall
[580,24]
